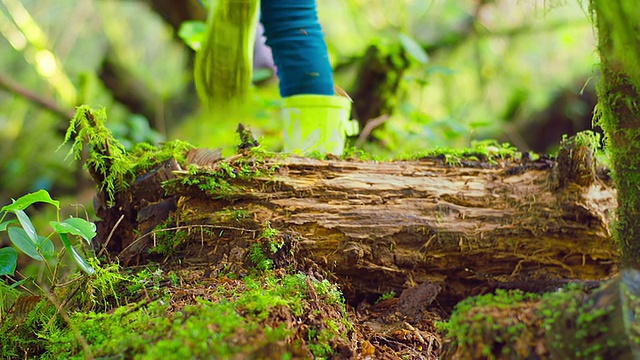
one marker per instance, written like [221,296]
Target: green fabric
[223,65]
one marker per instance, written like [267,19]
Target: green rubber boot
[317,123]
[223,65]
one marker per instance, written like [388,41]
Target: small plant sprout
[386,296]
[24,237]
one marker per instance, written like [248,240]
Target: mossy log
[460,229]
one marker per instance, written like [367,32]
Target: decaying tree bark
[458,230]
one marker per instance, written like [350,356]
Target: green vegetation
[225,178]
[108,162]
[617,114]
[485,151]
[38,247]
[473,316]
[237,317]
[386,296]
[268,243]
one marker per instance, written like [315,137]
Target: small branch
[368,129]
[47,104]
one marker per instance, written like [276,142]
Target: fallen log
[465,227]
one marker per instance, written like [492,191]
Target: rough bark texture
[388,226]
[619,114]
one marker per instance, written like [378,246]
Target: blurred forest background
[428,73]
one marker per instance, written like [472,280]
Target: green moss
[617,113]
[386,296]
[225,179]
[20,331]
[479,322]
[572,326]
[107,161]
[485,151]
[231,322]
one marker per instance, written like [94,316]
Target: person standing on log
[314,117]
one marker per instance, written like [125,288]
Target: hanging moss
[107,161]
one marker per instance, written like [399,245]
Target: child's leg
[299,50]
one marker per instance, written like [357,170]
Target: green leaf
[439,69]
[45,245]
[76,256]
[192,33]
[5,224]
[21,240]
[24,201]
[261,74]
[75,226]
[8,261]
[28,227]
[18,283]
[412,48]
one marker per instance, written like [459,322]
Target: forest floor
[257,257]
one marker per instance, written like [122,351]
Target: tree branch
[47,104]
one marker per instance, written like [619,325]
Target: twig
[368,129]
[113,229]
[47,104]
[88,354]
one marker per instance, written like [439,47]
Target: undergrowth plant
[25,238]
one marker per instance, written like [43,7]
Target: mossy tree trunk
[619,112]
[378,82]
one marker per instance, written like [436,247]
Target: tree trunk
[619,113]
[376,91]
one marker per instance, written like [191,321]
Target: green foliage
[41,248]
[386,296]
[413,48]
[192,33]
[590,322]
[104,284]
[269,242]
[258,257]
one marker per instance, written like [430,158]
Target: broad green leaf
[75,226]
[45,245]
[8,261]
[412,48]
[76,256]
[23,202]
[5,224]
[28,227]
[192,33]
[21,240]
